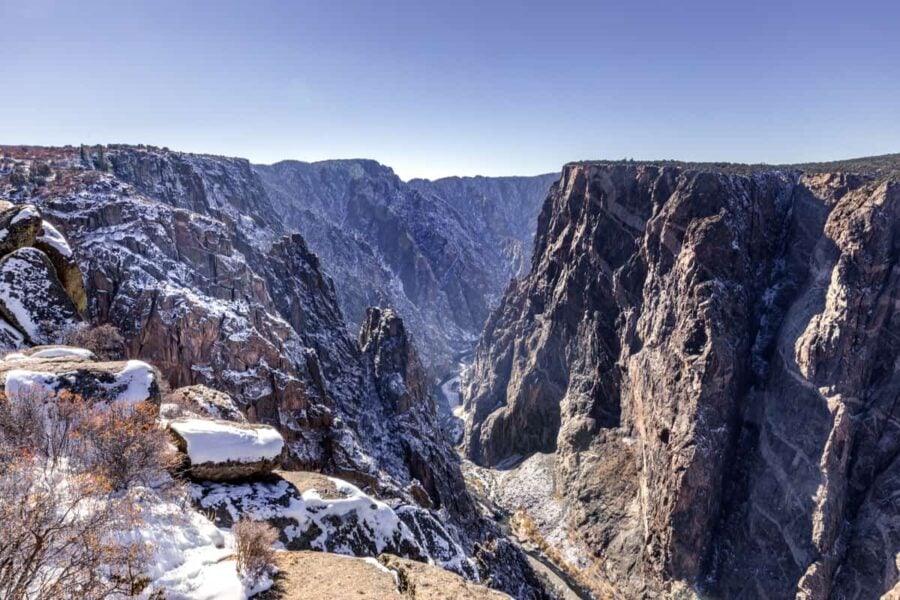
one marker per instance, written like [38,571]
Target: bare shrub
[253,546]
[105,341]
[56,540]
[40,422]
[68,471]
[124,444]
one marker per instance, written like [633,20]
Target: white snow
[217,442]
[63,351]
[374,520]
[193,559]
[27,212]
[138,376]
[15,356]
[22,381]
[53,238]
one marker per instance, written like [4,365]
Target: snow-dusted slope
[187,257]
[440,254]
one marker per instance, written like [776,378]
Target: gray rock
[32,299]
[19,227]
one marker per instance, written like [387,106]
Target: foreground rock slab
[307,575]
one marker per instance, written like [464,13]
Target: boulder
[207,402]
[121,381]
[32,299]
[313,512]
[52,243]
[19,227]
[218,450]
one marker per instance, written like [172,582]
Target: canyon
[667,380]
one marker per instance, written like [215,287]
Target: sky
[457,87]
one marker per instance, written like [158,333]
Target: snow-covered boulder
[32,299]
[207,402]
[19,227]
[52,243]
[219,450]
[129,382]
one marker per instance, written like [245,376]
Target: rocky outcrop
[206,402]
[19,227]
[107,382]
[711,356]
[32,299]
[41,291]
[54,245]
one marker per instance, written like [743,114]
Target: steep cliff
[439,252]
[711,353]
[188,257]
[502,210]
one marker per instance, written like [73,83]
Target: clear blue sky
[435,88]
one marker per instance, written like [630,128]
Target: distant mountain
[439,252]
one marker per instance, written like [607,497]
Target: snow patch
[62,351]
[53,238]
[218,442]
[138,377]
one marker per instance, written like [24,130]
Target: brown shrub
[103,340]
[253,547]
[124,444]
[37,421]
[56,541]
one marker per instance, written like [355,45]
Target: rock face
[32,299]
[502,210]
[188,256]
[712,356]
[41,291]
[440,260]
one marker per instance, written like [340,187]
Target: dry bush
[105,341]
[253,547]
[66,466]
[57,536]
[124,444]
[37,421]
